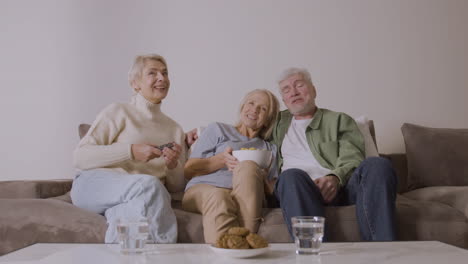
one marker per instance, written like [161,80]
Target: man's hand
[228,159]
[191,137]
[145,152]
[171,155]
[328,186]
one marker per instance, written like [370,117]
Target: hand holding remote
[167,145]
[171,155]
[145,152]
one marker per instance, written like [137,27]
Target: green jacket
[334,140]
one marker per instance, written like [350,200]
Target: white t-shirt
[296,151]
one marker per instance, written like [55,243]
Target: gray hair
[139,64]
[291,71]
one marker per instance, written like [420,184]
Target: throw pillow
[369,145]
[436,156]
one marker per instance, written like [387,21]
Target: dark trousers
[372,188]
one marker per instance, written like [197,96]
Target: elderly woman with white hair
[123,170]
[227,192]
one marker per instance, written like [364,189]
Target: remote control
[168,145]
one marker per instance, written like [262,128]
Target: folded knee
[150,181]
[151,185]
[248,164]
[218,199]
[293,177]
[377,162]
[246,171]
[380,168]
[246,167]
[219,196]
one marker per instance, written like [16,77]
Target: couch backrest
[83,129]
[398,160]
[401,169]
[34,189]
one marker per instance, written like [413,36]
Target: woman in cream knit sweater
[122,172]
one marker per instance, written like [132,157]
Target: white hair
[139,64]
[291,71]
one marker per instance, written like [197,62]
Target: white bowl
[261,157]
[240,253]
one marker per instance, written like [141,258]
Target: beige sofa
[429,207]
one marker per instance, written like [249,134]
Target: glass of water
[308,233]
[133,234]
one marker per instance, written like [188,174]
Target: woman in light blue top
[225,191]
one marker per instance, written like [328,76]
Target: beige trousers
[224,208]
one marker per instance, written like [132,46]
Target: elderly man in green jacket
[321,161]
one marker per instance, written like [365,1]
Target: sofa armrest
[34,189]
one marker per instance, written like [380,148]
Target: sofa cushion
[24,222]
[273,227]
[436,156]
[453,196]
[428,220]
[34,189]
[400,165]
[341,223]
[189,227]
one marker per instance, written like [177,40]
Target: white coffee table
[349,253]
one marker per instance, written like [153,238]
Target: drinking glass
[133,234]
[308,233]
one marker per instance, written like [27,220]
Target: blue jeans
[118,195]
[372,188]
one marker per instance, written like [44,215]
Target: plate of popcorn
[238,242]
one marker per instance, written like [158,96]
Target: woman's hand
[145,152]
[268,185]
[229,161]
[171,155]
[191,137]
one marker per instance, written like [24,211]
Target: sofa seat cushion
[273,227]
[453,196]
[429,220]
[24,222]
[416,220]
[341,223]
[189,227]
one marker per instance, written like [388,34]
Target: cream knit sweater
[107,144]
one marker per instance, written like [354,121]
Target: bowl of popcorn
[260,156]
[239,242]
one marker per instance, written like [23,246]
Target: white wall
[62,61]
